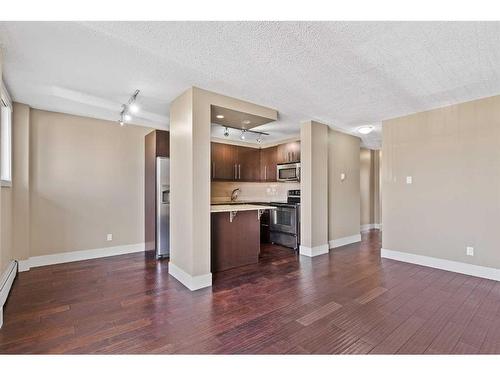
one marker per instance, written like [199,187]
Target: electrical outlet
[109,237]
[469,251]
[409,180]
[342,176]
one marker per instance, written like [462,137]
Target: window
[5,137]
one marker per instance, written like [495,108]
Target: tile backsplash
[252,191]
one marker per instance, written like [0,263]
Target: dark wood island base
[235,243]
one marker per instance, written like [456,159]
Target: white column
[190,193]
[314,188]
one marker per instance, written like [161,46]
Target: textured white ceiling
[345,74]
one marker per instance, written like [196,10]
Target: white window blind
[5,137]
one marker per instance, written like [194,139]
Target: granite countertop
[239,207]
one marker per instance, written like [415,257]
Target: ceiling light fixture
[365,129]
[242,136]
[127,109]
[226,132]
[220,116]
[246,122]
[133,108]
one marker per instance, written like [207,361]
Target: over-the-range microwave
[288,172]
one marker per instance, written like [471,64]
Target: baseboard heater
[5,284]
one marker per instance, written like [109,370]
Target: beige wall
[453,156]
[366,186]
[377,187]
[343,196]
[20,181]
[369,186]
[86,180]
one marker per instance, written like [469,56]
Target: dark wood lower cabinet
[235,243]
[265,234]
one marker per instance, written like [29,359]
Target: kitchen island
[235,232]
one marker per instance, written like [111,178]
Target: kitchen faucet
[234,194]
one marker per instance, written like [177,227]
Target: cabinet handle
[239,171]
[235,175]
[265,172]
[213,169]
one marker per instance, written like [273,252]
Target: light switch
[109,237]
[409,180]
[342,176]
[469,251]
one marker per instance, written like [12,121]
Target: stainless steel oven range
[284,226]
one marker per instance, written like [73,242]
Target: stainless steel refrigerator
[162,207]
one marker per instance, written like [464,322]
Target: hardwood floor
[349,301]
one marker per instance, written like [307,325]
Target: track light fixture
[128,109]
[244,133]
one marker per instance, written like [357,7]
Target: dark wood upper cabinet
[239,163]
[289,152]
[268,162]
[248,164]
[224,160]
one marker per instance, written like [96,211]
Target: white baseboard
[313,251]
[367,227]
[443,264]
[73,256]
[191,282]
[344,241]
[6,281]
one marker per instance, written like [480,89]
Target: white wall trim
[313,251]
[344,241]
[73,256]
[6,282]
[443,264]
[367,227]
[191,282]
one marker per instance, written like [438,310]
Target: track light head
[226,132]
[133,108]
